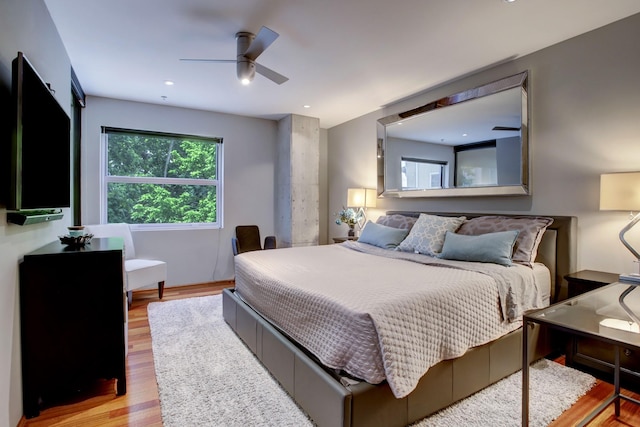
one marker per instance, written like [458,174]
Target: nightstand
[614,353]
[342,239]
[588,280]
[593,355]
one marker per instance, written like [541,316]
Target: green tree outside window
[154,178]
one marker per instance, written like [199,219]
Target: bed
[341,340]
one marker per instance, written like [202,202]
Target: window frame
[106,179]
[442,165]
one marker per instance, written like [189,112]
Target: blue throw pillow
[496,248]
[381,235]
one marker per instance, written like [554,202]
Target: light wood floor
[140,406]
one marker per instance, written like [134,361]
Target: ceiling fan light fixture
[246,71]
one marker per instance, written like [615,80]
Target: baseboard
[221,284]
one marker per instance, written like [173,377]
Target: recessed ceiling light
[169,82]
[509,1]
[464,134]
[306,106]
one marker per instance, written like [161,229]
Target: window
[476,165]
[161,180]
[420,174]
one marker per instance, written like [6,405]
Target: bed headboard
[557,249]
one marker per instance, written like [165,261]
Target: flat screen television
[40,165]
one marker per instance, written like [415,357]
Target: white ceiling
[344,58]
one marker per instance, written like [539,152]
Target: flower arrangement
[349,217]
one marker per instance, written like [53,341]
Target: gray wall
[25,26]
[249,153]
[585,104]
[508,154]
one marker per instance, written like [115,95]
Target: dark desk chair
[248,239]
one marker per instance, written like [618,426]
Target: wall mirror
[471,143]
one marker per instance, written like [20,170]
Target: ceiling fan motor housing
[245,67]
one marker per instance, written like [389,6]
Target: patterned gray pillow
[397,221]
[530,233]
[427,234]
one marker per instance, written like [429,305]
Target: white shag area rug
[207,377]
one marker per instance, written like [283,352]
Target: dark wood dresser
[72,320]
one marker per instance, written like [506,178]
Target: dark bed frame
[329,400]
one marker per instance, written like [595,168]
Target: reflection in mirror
[421,173]
[470,143]
[476,165]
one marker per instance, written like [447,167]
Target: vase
[352,231]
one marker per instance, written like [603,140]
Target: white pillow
[427,234]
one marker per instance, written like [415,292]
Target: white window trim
[106,179]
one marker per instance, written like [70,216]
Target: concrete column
[297,181]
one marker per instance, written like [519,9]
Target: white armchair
[139,273]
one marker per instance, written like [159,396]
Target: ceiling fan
[250,46]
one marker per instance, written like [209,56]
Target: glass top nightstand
[597,314]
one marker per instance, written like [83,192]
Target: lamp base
[633,285]
[630,278]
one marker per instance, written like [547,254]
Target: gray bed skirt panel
[330,403]
[323,398]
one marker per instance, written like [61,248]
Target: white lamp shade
[620,191]
[361,198]
[372,196]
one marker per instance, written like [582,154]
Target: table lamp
[621,192]
[361,199]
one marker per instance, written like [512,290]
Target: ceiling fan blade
[219,61]
[270,74]
[263,40]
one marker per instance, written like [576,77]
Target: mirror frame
[523,189]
